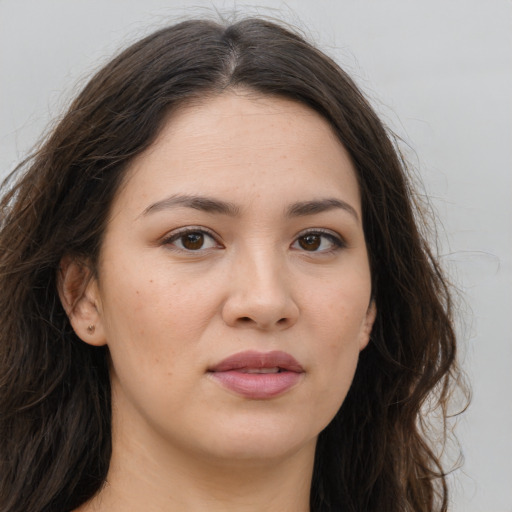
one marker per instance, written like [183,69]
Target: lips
[258,375]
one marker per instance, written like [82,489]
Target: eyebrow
[304,208]
[210,205]
[205,204]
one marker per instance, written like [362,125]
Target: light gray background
[440,73]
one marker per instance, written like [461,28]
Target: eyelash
[190,230]
[335,240]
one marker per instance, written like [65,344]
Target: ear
[369,320]
[80,298]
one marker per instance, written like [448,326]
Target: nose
[261,294]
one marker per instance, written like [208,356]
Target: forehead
[239,143]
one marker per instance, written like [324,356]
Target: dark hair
[55,409]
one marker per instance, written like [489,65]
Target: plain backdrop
[440,74]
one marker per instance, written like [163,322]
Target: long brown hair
[55,405]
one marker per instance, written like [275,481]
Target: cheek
[340,353]
[339,322]
[339,314]
[151,337]
[152,297]
[155,318]
[337,373]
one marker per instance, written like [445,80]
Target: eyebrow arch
[205,204]
[304,208]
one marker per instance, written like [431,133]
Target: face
[233,285]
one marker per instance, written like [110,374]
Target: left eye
[192,240]
[317,242]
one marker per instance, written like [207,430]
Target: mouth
[258,375]
[259,362]
[261,370]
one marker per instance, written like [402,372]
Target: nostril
[282,321]
[245,319]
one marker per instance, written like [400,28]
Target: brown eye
[188,240]
[321,242]
[310,242]
[192,241]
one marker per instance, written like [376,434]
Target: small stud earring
[90,329]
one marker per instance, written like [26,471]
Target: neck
[155,478]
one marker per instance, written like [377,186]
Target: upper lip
[255,359]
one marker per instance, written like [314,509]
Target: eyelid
[335,238]
[175,234]
[338,240]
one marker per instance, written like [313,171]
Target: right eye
[191,240]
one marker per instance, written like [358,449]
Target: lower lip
[257,385]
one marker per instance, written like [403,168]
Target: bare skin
[268,255]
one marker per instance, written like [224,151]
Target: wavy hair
[55,404]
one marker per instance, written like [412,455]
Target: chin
[261,439]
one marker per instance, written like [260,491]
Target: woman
[215,295]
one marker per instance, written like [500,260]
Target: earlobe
[79,295]
[369,320]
